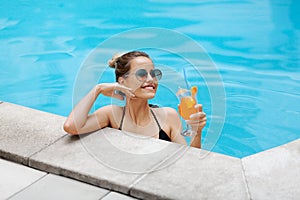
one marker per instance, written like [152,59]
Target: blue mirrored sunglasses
[142,74]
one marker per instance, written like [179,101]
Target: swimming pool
[257,54]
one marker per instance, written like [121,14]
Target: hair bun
[112,62]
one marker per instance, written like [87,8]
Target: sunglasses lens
[156,74]
[141,74]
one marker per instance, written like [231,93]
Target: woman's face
[143,84]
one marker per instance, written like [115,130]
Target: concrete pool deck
[108,162]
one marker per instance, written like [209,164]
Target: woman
[137,79]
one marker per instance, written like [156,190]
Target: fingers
[197,120]
[116,90]
[194,122]
[128,92]
[197,124]
[197,115]
[199,107]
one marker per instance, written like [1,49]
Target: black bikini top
[162,133]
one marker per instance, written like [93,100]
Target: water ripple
[40,57]
[6,23]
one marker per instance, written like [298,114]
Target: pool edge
[258,181]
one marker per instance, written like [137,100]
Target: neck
[138,110]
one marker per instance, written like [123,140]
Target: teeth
[148,86]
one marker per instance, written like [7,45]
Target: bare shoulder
[166,112]
[112,113]
[172,124]
[171,112]
[109,109]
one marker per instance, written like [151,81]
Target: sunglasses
[142,74]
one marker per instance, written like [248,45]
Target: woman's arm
[79,121]
[196,140]
[197,121]
[175,126]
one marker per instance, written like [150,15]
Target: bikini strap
[155,119]
[121,123]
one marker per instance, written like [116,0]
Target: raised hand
[115,90]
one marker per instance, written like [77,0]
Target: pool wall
[36,139]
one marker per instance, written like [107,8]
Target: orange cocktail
[187,106]
[187,102]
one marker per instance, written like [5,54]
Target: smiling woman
[137,82]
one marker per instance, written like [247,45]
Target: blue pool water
[255,46]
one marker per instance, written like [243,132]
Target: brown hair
[121,63]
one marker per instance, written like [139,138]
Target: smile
[149,87]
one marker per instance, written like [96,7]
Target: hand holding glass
[187,107]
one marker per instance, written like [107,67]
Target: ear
[121,80]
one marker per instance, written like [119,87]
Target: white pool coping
[145,168]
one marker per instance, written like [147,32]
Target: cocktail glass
[186,107]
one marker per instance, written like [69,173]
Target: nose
[149,77]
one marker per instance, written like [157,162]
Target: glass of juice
[186,107]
